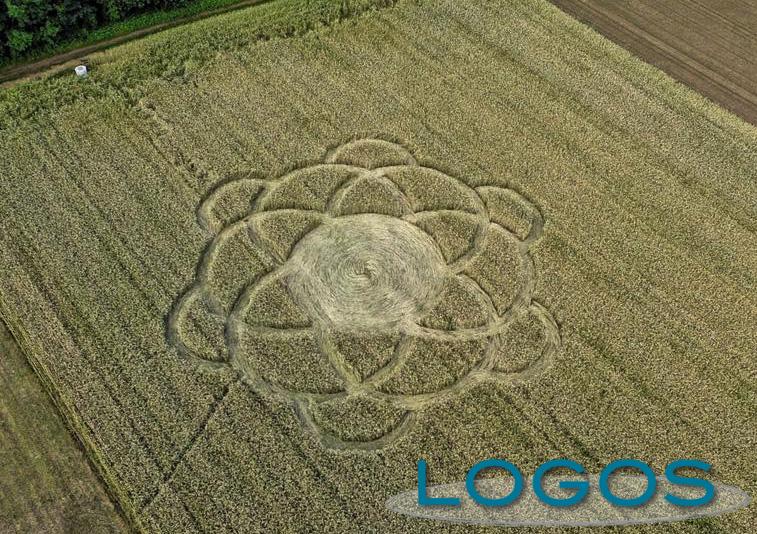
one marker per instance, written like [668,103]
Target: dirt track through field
[710,46]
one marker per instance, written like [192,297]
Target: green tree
[4,29]
[32,25]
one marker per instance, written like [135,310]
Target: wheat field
[265,262]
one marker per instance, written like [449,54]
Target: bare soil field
[267,261]
[711,46]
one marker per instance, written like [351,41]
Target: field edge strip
[77,429]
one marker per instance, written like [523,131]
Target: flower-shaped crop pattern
[366,288]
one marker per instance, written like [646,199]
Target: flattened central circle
[366,271]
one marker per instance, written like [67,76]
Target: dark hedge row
[27,26]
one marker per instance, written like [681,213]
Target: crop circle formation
[366,272]
[364,289]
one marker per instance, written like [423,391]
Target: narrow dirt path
[19,73]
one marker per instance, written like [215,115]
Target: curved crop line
[478,332]
[262,386]
[254,219]
[245,296]
[209,200]
[529,270]
[483,372]
[480,206]
[521,301]
[458,264]
[337,196]
[197,286]
[420,401]
[552,346]
[332,442]
[477,245]
[493,315]
[257,235]
[397,359]
[536,221]
[257,381]
[442,211]
[273,184]
[337,361]
[235,323]
[210,253]
[173,336]
[333,153]
[553,341]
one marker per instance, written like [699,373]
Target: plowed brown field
[711,46]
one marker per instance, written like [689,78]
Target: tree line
[27,26]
